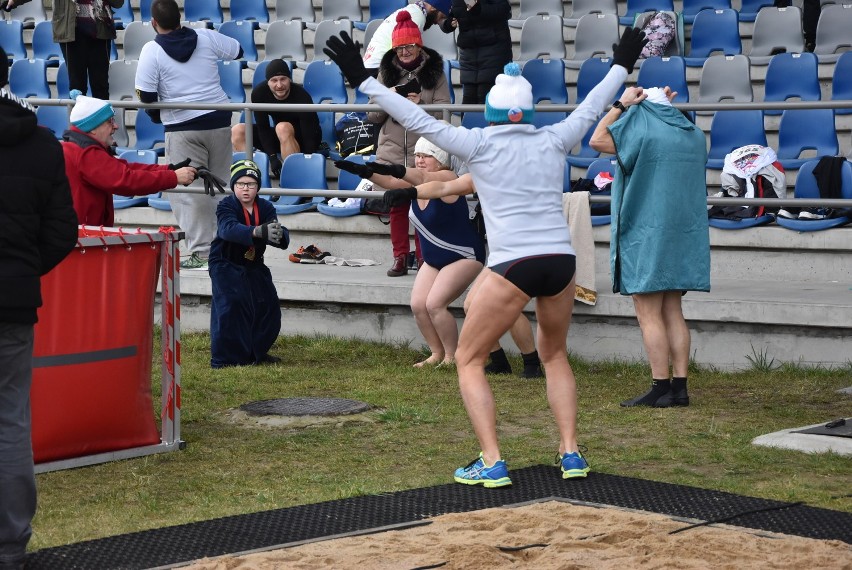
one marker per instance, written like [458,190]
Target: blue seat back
[250,10]
[792,75]
[324,82]
[807,129]
[43,45]
[28,78]
[692,7]
[381,9]
[231,79]
[662,71]
[54,118]
[12,39]
[715,30]
[592,71]
[733,129]
[148,133]
[197,10]
[841,83]
[243,32]
[547,77]
[123,15]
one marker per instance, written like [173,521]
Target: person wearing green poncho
[660,244]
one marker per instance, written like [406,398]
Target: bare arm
[601,140]
[438,189]
[413,177]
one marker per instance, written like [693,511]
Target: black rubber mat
[172,545]
[841,427]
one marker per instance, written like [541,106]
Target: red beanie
[406,31]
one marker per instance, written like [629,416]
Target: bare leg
[554,319]
[649,312]
[451,282]
[238,137]
[287,138]
[678,333]
[419,293]
[474,289]
[522,334]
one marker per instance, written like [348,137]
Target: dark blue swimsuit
[446,234]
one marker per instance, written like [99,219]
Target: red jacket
[95,175]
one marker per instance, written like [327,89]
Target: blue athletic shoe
[477,473]
[573,465]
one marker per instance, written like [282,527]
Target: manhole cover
[305,407]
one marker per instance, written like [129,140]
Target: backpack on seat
[661,30]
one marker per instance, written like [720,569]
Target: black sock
[658,389]
[678,384]
[499,363]
[531,358]
[498,357]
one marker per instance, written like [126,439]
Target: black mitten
[399,196]
[362,170]
[395,170]
[627,51]
[182,164]
[347,55]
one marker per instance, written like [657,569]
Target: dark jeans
[17,481]
[87,60]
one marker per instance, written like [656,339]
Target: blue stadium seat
[750,8]
[301,171]
[805,129]
[806,187]
[253,10]
[379,10]
[585,155]
[733,129]
[28,78]
[547,77]
[43,45]
[149,134]
[791,75]
[638,6]
[600,165]
[325,84]
[841,84]
[198,10]
[713,30]
[692,7]
[345,181]
[145,10]
[262,160]
[243,32]
[54,118]
[592,71]
[231,79]
[123,15]
[144,157]
[474,120]
[662,71]
[12,39]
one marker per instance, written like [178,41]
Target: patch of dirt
[240,418]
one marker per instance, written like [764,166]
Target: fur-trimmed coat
[434,90]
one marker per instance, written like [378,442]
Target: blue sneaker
[573,465]
[477,473]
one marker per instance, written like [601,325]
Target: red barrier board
[91,389]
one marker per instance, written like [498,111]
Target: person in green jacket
[83,29]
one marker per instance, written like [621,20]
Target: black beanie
[277,67]
[4,68]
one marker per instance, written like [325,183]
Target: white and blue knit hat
[89,112]
[510,100]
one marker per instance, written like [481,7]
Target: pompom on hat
[277,67]
[511,99]
[88,112]
[406,31]
[426,147]
[244,168]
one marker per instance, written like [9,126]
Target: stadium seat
[542,38]
[30,14]
[474,120]
[120,136]
[606,164]
[54,118]
[121,16]
[791,75]
[145,10]
[143,157]
[750,8]
[231,79]
[692,7]
[251,10]
[28,78]
[713,30]
[637,6]
[284,41]
[379,10]
[444,44]
[834,32]
[566,177]
[149,134]
[594,37]
[733,129]
[342,9]
[592,71]
[662,71]
[297,172]
[12,39]
[805,129]
[326,29]
[776,30]
[585,154]
[243,32]
[841,84]
[725,79]
[43,45]
[345,181]
[535,7]
[122,79]
[547,77]
[580,8]
[203,10]
[287,10]
[324,82]
[806,187]
[371,28]
[262,160]
[136,35]
[675,47]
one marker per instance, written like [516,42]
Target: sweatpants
[196,213]
[17,479]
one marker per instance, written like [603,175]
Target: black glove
[399,196]
[362,170]
[275,166]
[211,181]
[627,51]
[182,164]
[271,232]
[155,115]
[395,170]
[347,55]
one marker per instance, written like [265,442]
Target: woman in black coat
[485,45]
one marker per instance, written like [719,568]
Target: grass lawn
[418,433]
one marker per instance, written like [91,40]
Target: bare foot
[431,361]
[447,363]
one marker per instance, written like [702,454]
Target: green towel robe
[660,237]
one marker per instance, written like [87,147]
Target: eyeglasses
[410,48]
[246,185]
